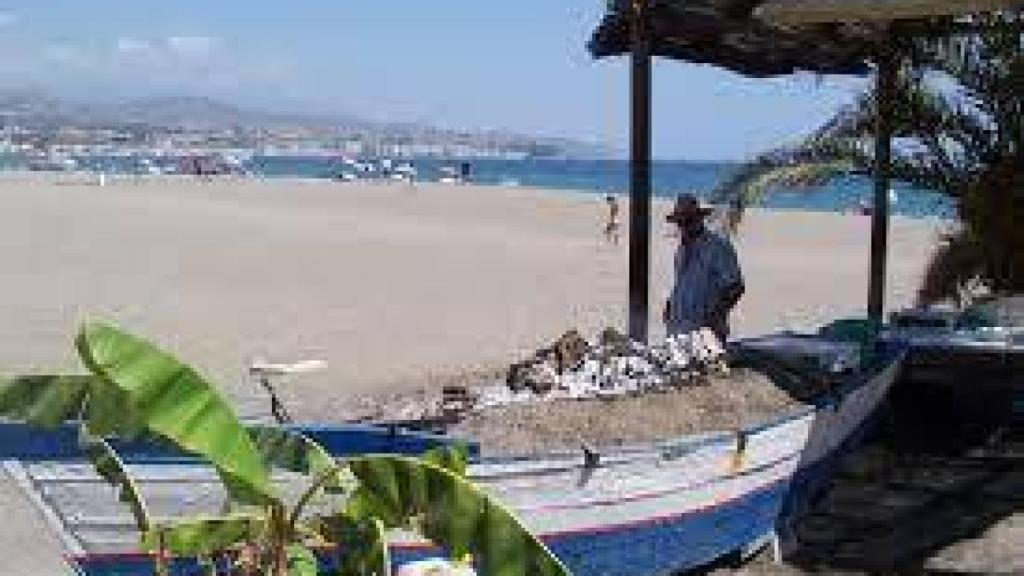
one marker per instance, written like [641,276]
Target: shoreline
[91,178]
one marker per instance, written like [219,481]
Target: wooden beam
[888,68]
[797,12]
[640,172]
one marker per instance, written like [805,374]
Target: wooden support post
[888,68]
[640,172]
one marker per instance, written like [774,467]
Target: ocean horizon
[598,176]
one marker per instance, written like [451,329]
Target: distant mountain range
[38,110]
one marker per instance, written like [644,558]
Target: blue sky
[518,65]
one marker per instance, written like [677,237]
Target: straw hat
[688,207]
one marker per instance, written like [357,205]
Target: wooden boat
[653,509]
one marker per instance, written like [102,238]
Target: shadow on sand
[890,511]
[927,494]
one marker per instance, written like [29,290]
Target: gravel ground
[716,402]
[739,399]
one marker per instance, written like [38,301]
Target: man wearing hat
[708,279]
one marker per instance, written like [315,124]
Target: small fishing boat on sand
[654,508]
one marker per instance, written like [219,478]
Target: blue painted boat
[653,509]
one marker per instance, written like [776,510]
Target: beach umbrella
[763,38]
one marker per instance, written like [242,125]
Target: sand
[395,286]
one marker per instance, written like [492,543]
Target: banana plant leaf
[450,511]
[203,536]
[454,458]
[45,401]
[48,401]
[207,565]
[296,452]
[301,561]
[363,543]
[111,468]
[176,403]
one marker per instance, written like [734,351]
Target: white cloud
[191,46]
[173,53]
[133,47]
[67,56]
[135,64]
[8,19]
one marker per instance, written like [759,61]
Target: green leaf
[454,458]
[45,401]
[109,412]
[455,514]
[364,544]
[301,561]
[111,468]
[379,495]
[204,535]
[377,555]
[802,168]
[296,452]
[173,401]
[49,401]
[207,564]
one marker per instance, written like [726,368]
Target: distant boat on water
[212,165]
[404,171]
[353,169]
[53,163]
[460,174]
[148,167]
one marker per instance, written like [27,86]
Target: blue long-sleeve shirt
[704,270]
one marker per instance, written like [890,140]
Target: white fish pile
[614,367]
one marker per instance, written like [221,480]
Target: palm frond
[957,112]
[957,263]
[815,162]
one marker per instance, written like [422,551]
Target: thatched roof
[760,37]
[802,12]
[725,33]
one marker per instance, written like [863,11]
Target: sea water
[668,178]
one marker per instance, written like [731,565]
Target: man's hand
[718,317]
[717,320]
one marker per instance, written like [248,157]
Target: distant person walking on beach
[708,280]
[611,230]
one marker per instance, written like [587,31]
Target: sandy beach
[395,286]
